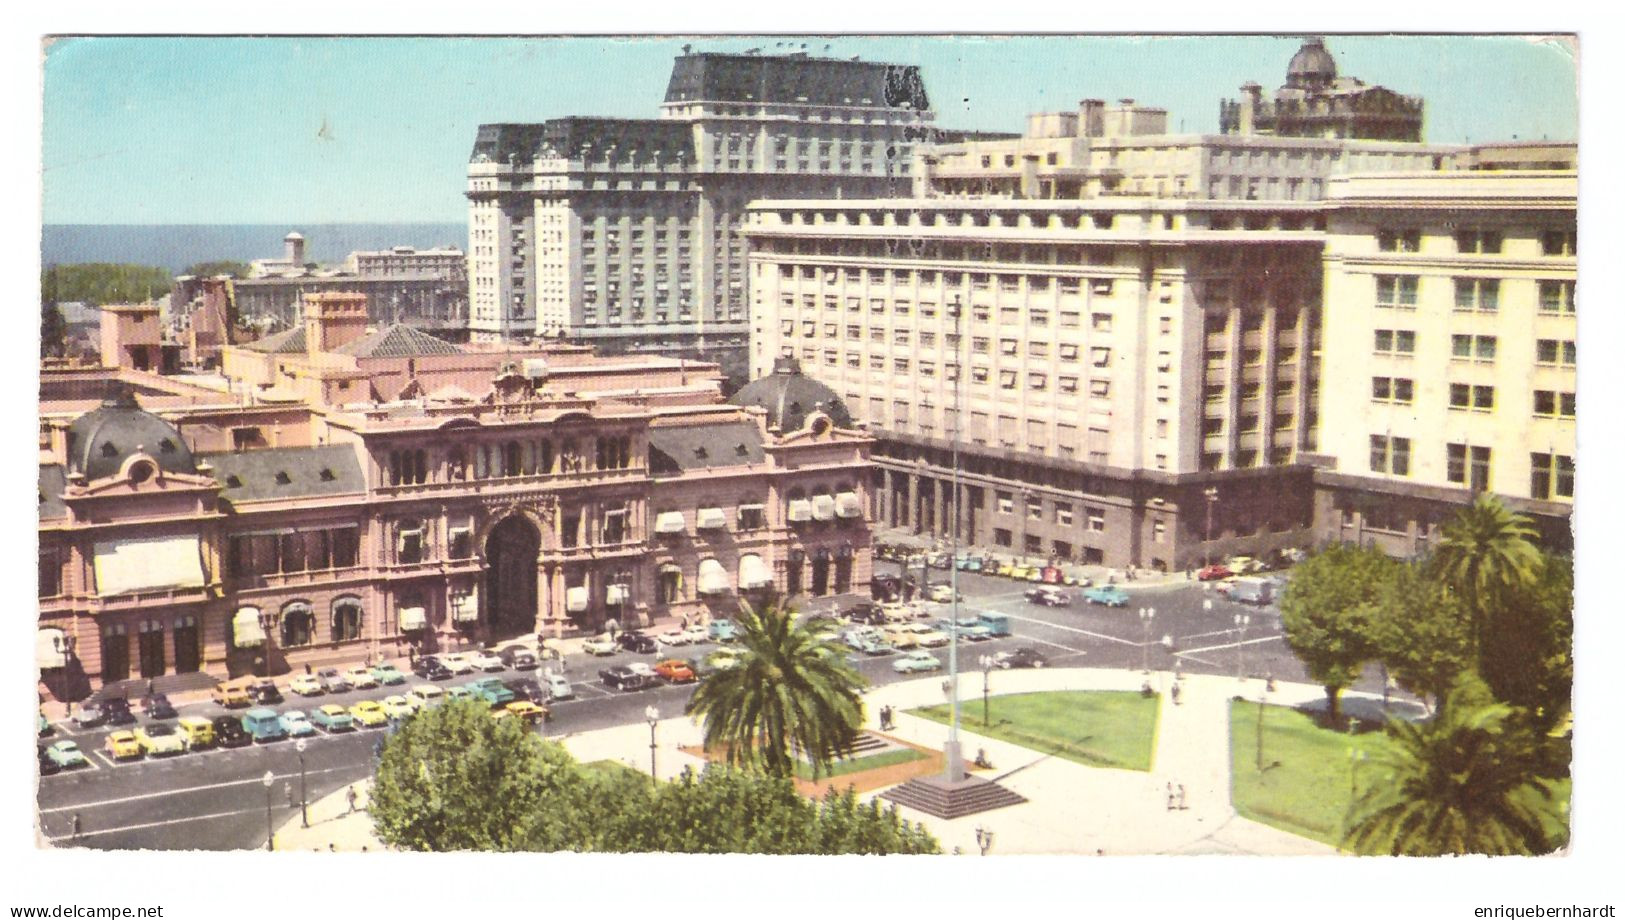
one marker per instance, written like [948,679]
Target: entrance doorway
[820,573]
[115,654]
[510,577]
[152,649]
[188,651]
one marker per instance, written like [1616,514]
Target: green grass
[1095,728]
[1305,786]
[608,767]
[858,765]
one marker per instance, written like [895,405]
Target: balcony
[501,484]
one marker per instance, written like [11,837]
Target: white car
[361,678]
[557,687]
[943,594]
[456,662]
[426,695]
[915,661]
[486,660]
[296,724]
[673,637]
[697,634]
[600,645]
[643,670]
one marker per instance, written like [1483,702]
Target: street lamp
[304,801]
[1212,494]
[1242,622]
[652,716]
[1260,756]
[1147,614]
[984,839]
[987,677]
[269,780]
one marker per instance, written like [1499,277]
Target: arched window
[511,464]
[346,619]
[456,465]
[297,624]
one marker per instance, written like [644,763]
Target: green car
[66,754]
[388,675]
[490,690]
[453,694]
[915,661]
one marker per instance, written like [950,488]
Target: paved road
[217,800]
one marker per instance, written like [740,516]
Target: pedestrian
[1182,805]
[1174,693]
[77,826]
[1170,796]
[1190,574]
[287,791]
[349,796]
[307,667]
[411,656]
[149,686]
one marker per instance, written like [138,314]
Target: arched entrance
[510,577]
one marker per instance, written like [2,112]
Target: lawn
[1095,728]
[860,764]
[1309,774]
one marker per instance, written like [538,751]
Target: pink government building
[342,493]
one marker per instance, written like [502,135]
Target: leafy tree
[53,331]
[1327,610]
[100,283]
[793,687]
[1484,552]
[1421,633]
[1465,781]
[219,267]
[453,778]
[1527,656]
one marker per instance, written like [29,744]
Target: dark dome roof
[789,396]
[1312,67]
[102,439]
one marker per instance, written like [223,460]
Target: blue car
[1109,595]
[722,631]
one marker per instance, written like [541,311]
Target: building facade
[1316,102]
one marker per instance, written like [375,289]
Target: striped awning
[823,507]
[713,577]
[670,522]
[575,599]
[753,572]
[800,510]
[246,631]
[616,594]
[148,564]
[465,608]
[413,618]
[847,505]
[711,519]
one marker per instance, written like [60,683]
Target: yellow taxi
[233,693]
[123,746]
[197,732]
[398,707]
[160,738]
[523,709]
[369,714]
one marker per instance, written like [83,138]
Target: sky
[272,130]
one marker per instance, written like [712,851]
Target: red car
[678,672]
[1214,572]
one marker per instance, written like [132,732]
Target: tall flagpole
[955,762]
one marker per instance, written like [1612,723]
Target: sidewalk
[1071,808]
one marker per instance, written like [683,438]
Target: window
[1037,382]
[1100,357]
[1007,380]
[1549,403]
[297,625]
[1559,243]
[1557,297]
[1002,536]
[1097,519]
[1396,290]
[1390,455]
[346,625]
[1395,342]
[1399,240]
[1468,465]
[1473,347]
[1555,351]
[1482,294]
[1067,384]
[1035,508]
[1006,502]
[1063,514]
[1100,322]
[1551,476]
[1487,242]
[1007,347]
[1477,398]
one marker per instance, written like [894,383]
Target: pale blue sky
[229,130]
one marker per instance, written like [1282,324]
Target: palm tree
[1483,552]
[792,688]
[1463,782]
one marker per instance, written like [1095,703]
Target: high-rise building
[627,233]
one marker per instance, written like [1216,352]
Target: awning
[800,510]
[615,594]
[823,507]
[670,522]
[413,618]
[710,519]
[245,628]
[465,608]
[713,577]
[847,505]
[147,564]
[758,509]
[753,572]
[51,648]
[575,599]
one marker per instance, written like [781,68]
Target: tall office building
[626,233]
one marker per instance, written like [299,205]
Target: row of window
[1551,475]
[252,555]
[1472,294]
[1477,397]
[1400,342]
[1062,511]
[1478,242]
[507,459]
[296,623]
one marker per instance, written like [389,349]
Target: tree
[1527,656]
[218,267]
[100,283]
[1484,552]
[1327,611]
[53,331]
[453,778]
[1422,633]
[793,687]
[1462,782]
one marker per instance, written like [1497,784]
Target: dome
[789,396]
[102,439]
[1312,67]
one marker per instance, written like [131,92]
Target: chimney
[293,248]
[1252,97]
[1091,118]
[333,320]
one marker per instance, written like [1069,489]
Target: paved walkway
[1071,808]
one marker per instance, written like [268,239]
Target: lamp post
[984,839]
[953,761]
[1242,622]
[1212,495]
[268,780]
[304,801]
[987,677]
[1147,614]
[1260,755]
[652,716]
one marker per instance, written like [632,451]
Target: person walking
[1170,795]
[1173,692]
[349,796]
[287,792]
[77,826]
[1182,805]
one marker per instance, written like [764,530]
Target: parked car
[197,731]
[885,587]
[898,636]
[1214,572]
[264,692]
[157,706]
[486,660]
[66,754]
[927,635]
[914,662]
[697,634]
[637,642]
[398,707]
[228,732]
[388,675]
[722,631]
[306,685]
[531,713]
[264,725]
[458,694]
[361,678]
[490,690]
[944,594]
[863,612]
[44,725]
[1027,657]
[1108,595]
[333,718]
[518,657]
[426,695]
[89,715]
[673,637]
[369,714]
[116,711]
[675,671]
[969,628]
[997,623]
[622,677]
[558,688]
[47,766]
[232,693]
[1257,591]
[1243,565]
[456,662]
[1048,597]
[430,668]
[123,746]
[332,680]
[297,724]
[526,688]
[600,645]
